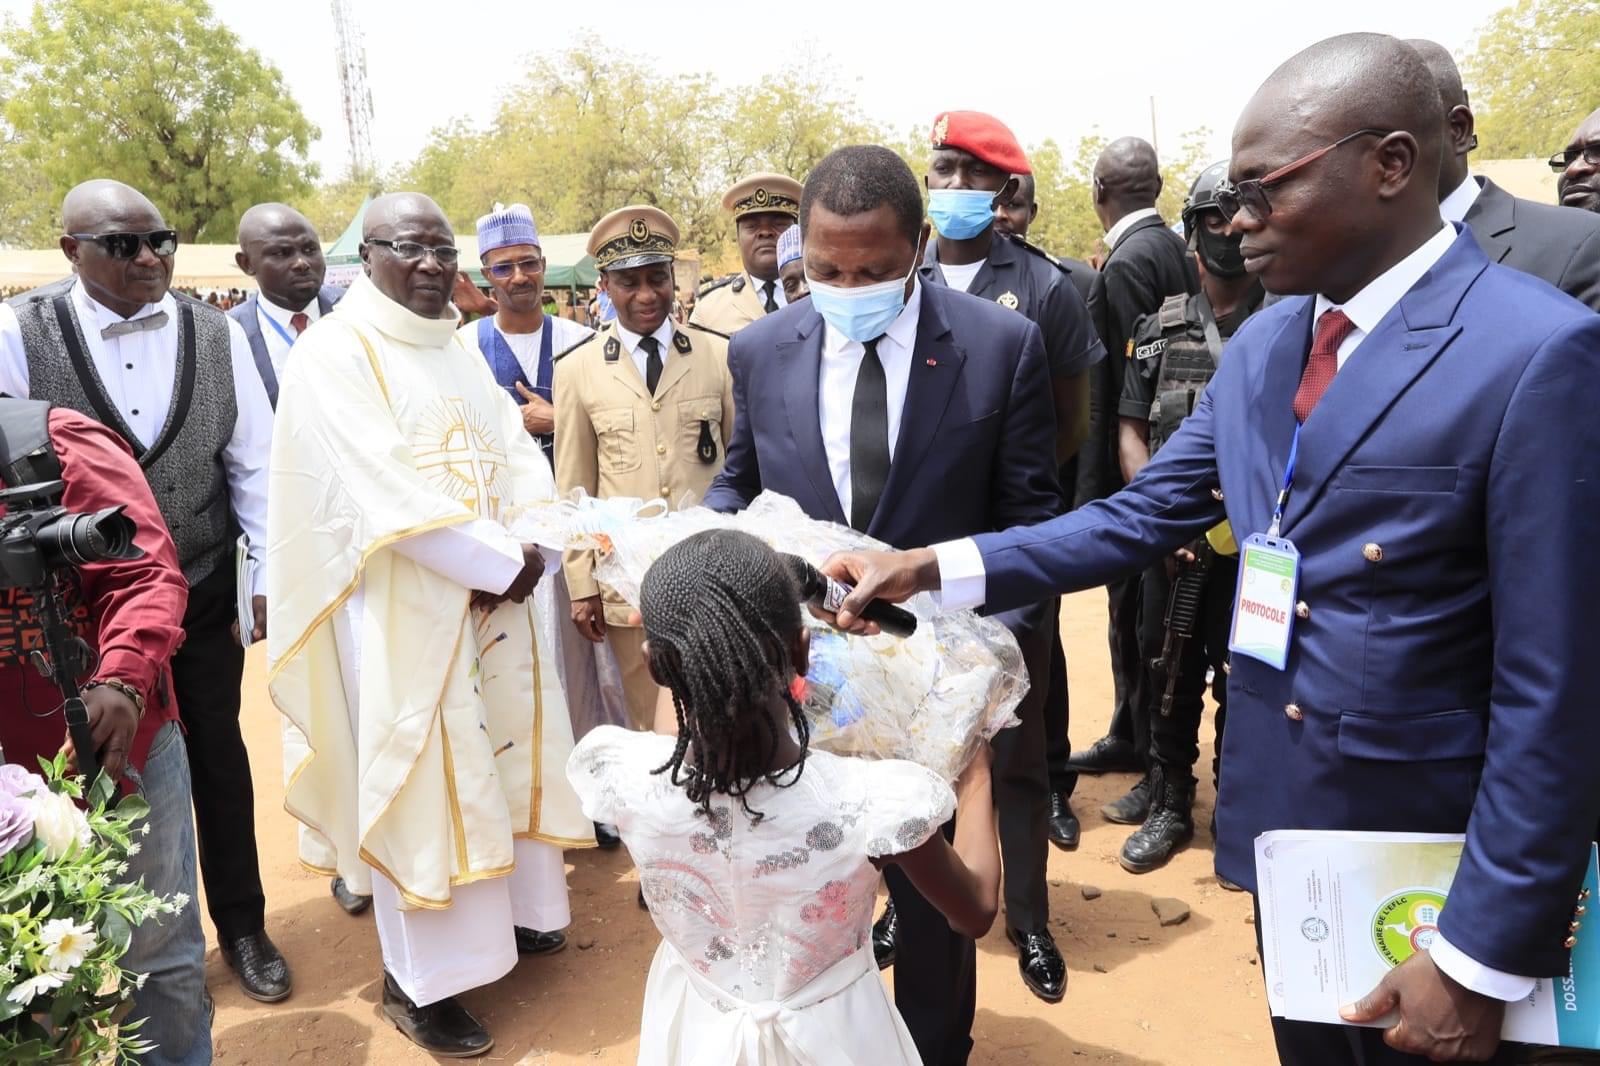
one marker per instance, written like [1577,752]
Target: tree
[1534,73]
[156,93]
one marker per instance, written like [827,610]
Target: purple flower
[15,781]
[16,823]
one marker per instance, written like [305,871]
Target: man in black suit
[1559,244]
[1145,263]
[865,405]
[280,249]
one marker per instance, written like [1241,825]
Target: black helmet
[1218,251]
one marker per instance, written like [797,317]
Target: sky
[1050,70]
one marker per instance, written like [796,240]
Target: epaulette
[708,329]
[1041,253]
[563,353]
[736,280]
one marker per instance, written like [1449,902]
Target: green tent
[568,263]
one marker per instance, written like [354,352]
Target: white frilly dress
[766,952]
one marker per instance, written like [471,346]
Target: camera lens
[89,538]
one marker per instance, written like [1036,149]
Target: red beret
[983,136]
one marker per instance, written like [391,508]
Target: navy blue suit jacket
[1445,506]
[245,315]
[973,454]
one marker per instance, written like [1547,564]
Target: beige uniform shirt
[729,307]
[613,438]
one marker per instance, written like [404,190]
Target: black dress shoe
[533,942]
[1108,755]
[352,902]
[1168,826]
[1132,808]
[262,973]
[1063,824]
[605,836]
[445,1028]
[1043,969]
[885,931]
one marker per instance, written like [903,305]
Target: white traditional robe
[433,737]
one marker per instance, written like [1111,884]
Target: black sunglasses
[163,242]
[503,271]
[1567,156]
[411,251]
[1252,192]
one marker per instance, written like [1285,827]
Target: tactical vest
[27,457]
[1188,363]
[184,463]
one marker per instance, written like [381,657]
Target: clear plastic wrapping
[928,698]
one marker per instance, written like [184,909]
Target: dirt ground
[1137,993]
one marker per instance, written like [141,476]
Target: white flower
[66,943]
[34,986]
[58,824]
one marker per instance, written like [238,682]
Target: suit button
[1570,943]
[1373,552]
[1227,668]
[665,492]
[656,406]
[1302,610]
[1293,712]
[1216,494]
[661,449]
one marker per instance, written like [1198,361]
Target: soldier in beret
[643,409]
[763,206]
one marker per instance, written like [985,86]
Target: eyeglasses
[1567,156]
[503,271]
[1252,193]
[411,251]
[162,242]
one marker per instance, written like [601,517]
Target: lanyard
[1288,482]
[278,329]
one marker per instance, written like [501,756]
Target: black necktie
[772,302]
[652,362]
[869,438]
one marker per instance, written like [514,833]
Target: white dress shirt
[268,315]
[564,333]
[777,291]
[963,585]
[960,277]
[1454,207]
[836,386]
[1121,227]
[641,360]
[138,370]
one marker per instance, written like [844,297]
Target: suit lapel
[677,366]
[622,369]
[936,365]
[1492,219]
[1386,363]
[1272,411]
[800,363]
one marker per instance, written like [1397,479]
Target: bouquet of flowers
[66,917]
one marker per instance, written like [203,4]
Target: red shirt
[129,610]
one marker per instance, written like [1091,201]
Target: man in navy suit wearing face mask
[912,412]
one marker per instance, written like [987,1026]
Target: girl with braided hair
[759,857]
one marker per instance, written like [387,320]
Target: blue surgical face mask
[864,313]
[960,213]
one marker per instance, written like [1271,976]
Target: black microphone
[823,591]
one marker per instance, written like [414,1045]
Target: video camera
[39,541]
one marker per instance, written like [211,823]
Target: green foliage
[1533,75]
[156,93]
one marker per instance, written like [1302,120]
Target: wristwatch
[123,687]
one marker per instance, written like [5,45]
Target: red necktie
[298,322]
[1332,329]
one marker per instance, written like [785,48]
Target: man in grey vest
[175,379]
[279,247]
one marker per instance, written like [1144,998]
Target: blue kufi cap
[788,246]
[505,227]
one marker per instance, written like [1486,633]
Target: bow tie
[134,325]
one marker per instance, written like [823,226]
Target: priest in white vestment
[403,644]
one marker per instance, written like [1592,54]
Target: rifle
[1183,615]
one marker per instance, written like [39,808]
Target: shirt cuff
[1475,976]
[962,581]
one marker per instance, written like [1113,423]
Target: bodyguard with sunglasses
[1413,439]
[175,378]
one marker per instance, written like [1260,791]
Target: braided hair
[721,610]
